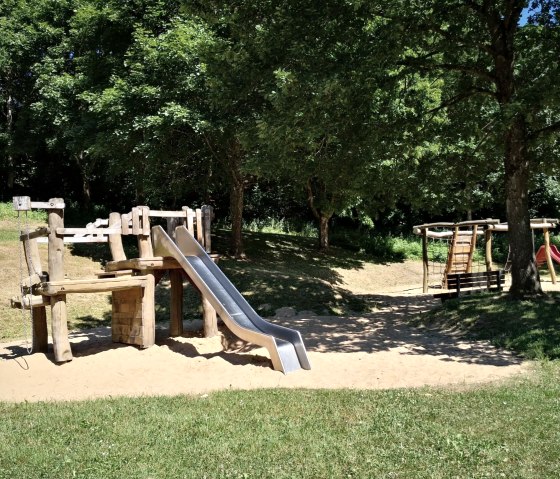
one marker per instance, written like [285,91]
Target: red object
[541,255]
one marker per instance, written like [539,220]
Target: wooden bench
[459,284]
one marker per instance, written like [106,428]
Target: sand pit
[377,350]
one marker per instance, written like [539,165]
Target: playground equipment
[461,239]
[457,272]
[547,252]
[132,281]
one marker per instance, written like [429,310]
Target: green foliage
[7,213]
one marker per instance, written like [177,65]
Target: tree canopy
[353,108]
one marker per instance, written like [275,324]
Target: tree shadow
[389,328]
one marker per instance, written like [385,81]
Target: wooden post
[549,262]
[207,227]
[40,330]
[472,248]
[488,249]
[176,303]
[210,319]
[59,314]
[425,260]
[149,311]
[199,236]
[32,257]
[140,218]
[115,240]
[209,316]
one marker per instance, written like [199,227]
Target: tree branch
[554,127]
[466,69]
[460,97]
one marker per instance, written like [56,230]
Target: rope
[26,328]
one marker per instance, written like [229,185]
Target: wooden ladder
[461,252]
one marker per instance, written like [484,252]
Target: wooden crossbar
[53,288]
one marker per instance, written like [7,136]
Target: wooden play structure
[456,274]
[132,281]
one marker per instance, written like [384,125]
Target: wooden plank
[115,240]
[136,230]
[199,236]
[39,232]
[77,239]
[125,224]
[114,274]
[141,264]
[145,216]
[22,203]
[53,288]
[88,231]
[190,222]
[49,205]
[168,214]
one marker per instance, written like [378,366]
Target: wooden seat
[460,284]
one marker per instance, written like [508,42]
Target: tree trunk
[502,30]
[324,232]
[322,216]
[236,197]
[524,273]
[236,212]
[85,165]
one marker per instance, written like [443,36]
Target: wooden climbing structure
[462,240]
[131,282]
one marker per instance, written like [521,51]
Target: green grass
[506,431]
[530,328]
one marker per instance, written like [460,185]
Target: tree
[330,92]
[27,30]
[509,69]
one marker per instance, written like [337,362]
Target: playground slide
[541,255]
[284,345]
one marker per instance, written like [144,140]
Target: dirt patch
[376,350]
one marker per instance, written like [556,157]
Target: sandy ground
[377,350]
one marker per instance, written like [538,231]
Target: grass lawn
[499,431]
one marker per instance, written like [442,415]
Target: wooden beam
[176,303]
[59,314]
[115,239]
[549,262]
[77,239]
[38,233]
[141,264]
[33,301]
[88,231]
[425,261]
[49,205]
[54,288]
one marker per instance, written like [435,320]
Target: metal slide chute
[284,345]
